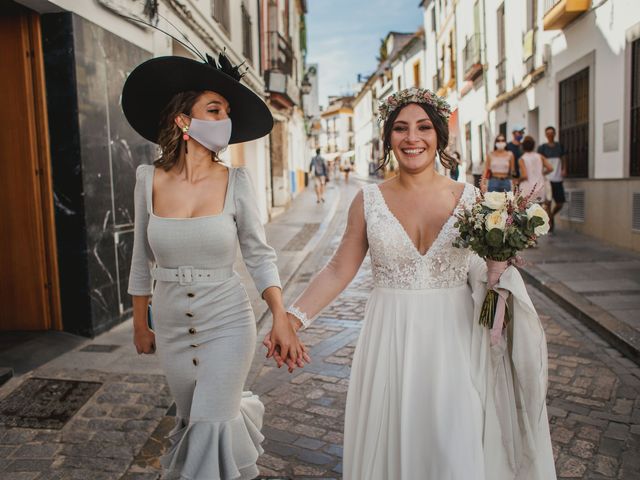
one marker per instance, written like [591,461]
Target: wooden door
[29,298]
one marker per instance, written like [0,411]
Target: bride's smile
[414,139]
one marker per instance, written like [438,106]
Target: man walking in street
[555,153]
[319,169]
[514,147]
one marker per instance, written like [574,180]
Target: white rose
[497,219]
[536,210]
[495,200]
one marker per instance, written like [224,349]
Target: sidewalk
[597,283]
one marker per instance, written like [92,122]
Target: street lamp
[305,86]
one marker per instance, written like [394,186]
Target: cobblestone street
[594,402]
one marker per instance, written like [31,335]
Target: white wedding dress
[429,398]
[413,411]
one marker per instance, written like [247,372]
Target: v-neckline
[404,230]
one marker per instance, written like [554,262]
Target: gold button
[195,361]
[191,295]
[192,330]
[189,314]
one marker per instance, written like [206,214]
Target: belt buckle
[185,275]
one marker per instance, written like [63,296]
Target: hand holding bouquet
[497,227]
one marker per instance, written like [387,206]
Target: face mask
[501,145]
[519,136]
[211,134]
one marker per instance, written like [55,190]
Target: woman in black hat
[190,213]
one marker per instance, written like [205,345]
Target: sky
[343,37]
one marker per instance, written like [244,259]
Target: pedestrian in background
[500,165]
[515,147]
[477,169]
[555,154]
[319,169]
[533,168]
[345,166]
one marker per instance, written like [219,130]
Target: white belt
[186,275]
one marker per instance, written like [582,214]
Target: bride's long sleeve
[340,270]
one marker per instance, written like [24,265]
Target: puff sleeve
[258,256]
[140,281]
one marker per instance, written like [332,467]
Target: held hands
[283,344]
[145,340]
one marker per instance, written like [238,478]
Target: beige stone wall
[608,210]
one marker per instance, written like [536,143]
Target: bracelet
[300,315]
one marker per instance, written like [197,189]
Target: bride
[429,396]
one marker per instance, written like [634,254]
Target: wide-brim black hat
[152,84]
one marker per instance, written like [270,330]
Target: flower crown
[413,95]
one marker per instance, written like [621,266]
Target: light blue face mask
[211,134]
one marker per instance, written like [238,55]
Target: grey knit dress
[204,325]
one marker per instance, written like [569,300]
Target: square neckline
[222,212]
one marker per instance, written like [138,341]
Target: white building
[572,64]
[337,138]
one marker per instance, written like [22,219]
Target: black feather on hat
[152,84]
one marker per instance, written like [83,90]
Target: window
[433,19]
[635,109]
[503,129]
[467,138]
[399,82]
[452,55]
[416,73]
[221,13]
[247,35]
[574,122]
[481,141]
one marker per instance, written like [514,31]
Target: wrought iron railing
[280,53]
[471,57]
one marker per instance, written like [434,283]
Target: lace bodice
[395,261]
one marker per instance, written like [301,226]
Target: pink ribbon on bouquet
[495,269]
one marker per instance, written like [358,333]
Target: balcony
[278,77]
[282,88]
[471,58]
[280,53]
[501,76]
[559,13]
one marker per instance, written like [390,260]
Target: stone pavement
[594,396]
[598,283]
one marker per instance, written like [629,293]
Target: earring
[185,137]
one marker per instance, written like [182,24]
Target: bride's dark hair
[439,124]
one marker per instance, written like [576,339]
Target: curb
[615,332]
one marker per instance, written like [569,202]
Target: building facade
[284,45]
[571,64]
[337,137]
[67,253]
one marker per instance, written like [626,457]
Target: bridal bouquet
[497,226]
